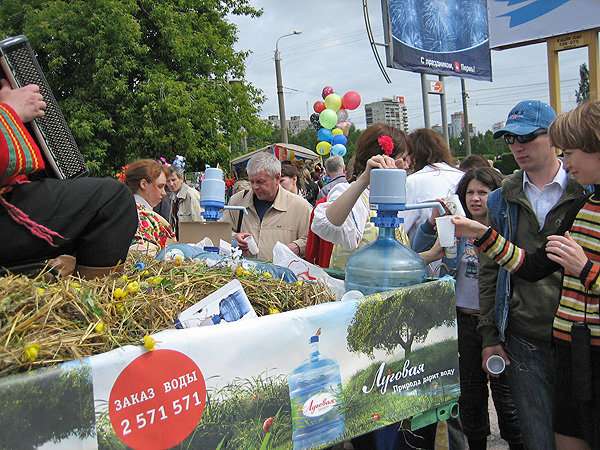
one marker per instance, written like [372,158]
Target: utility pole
[444,111]
[466,131]
[282,121]
[425,94]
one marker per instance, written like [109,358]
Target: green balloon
[328,118]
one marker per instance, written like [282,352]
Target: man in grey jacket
[516,315]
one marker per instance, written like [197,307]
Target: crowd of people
[527,265]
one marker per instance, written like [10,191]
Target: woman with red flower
[146,179]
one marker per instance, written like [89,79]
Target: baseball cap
[526,117]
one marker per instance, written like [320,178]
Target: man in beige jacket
[273,214]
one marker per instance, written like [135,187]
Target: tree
[583,93]
[46,405]
[143,78]
[402,319]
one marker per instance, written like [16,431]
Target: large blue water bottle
[385,264]
[315,389]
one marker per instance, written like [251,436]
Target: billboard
[519,22]
[447,37]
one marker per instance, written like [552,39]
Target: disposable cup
[495,364]
[445,230]
[252,247]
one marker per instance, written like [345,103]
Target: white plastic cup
[252,246]
[495,364]
[446,231]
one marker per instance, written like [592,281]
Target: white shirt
[435,181]
[542,201]
[350,233]
[142,201]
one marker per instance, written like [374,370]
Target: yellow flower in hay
[40,291]
[32,351]
[124,278]
[178,260]
[100,327]
[240,271]
[120,308]
[133,288]
[267,275]
[273,310]
[75,285]
[299,283]
[155,281]
[149,342]
[119,293]
[145,273]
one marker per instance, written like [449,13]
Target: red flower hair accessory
[121,175]
[386,143]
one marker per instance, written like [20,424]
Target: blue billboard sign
[442,37]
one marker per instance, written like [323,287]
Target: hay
[43,323]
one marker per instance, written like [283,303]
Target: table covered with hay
[99,363]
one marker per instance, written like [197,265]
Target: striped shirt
[579,301]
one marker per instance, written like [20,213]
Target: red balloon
[319,106]
[351,100]
[326,91]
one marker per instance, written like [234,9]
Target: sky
[333,50]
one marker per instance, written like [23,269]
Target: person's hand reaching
[27,101]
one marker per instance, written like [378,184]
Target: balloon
[325,135]
[326,91]
[328,118]
[319,106]
[333,101]
[342,115]
[351,100]
[340,139]
[338,150]
[337,131]
[323,148]
[314,120]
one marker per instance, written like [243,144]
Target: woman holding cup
[463,264]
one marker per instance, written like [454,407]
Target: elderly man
[336,171]
[273,214]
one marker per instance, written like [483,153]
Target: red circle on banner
[157,400]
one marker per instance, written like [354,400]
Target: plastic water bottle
[315,389]
[384,265]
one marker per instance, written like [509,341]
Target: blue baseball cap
[526,117]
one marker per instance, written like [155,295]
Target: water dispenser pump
[212,195]
[385,264]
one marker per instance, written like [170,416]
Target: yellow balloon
[337,131]
[323,148]
[333,101]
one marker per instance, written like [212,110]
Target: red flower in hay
[386,143]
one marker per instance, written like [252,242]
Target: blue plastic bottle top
[315,394]
[384,265]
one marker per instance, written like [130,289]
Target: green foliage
[506,164]
[143,78]
[481,144]
[583,92]
[402,319]
[46,405]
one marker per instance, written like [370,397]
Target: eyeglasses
[523,139]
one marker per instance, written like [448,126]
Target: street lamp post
[282,124]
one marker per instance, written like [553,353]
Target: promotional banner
[303,379]
[442,38]
[515,23]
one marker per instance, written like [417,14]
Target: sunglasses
[523,139]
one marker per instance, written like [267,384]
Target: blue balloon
[325,135]
[338,150]
[340,139]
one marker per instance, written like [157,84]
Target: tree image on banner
[402,319]
[46,406]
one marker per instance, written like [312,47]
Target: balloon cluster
[330,119]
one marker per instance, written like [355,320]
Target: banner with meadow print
[302,379]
